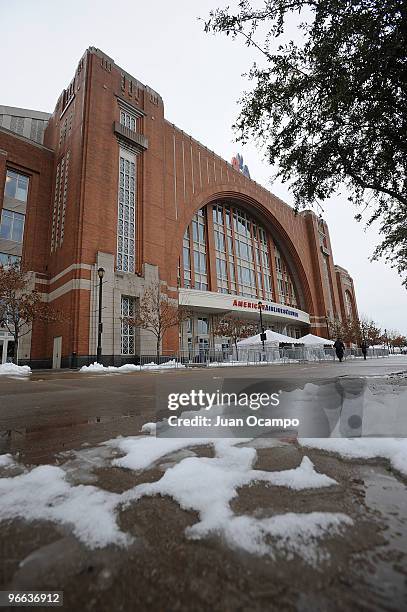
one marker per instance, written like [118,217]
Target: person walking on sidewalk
[339,349]
[363,346]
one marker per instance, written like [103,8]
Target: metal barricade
[251,356]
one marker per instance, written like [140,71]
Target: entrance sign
[218,303]
[266,308]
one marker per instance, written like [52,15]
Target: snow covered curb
[11,369]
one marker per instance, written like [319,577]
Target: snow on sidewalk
[204,484]
[229,364]
[290,533]
[208,485]
[44,494]
[11,369]
[98,368]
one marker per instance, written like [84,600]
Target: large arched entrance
[231,259]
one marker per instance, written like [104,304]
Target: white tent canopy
[311,340]
[272,339]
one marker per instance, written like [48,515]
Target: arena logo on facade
[237,163]
[265,308]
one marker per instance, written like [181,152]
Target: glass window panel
[18,228]
[127,331]
[202,325]
[187,263]
[9,260]
[126,216]
[249,244]
[22,188]
[201,233]
[128,120]
[16,186]
[6,224]
[11,184]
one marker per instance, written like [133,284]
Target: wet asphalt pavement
[55,412]
[52,411]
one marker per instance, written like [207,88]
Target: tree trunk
[15,350]
[158,351]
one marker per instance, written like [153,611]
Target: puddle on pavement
[10,437]
[386,495]
[85,421]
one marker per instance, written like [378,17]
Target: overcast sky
[200,78]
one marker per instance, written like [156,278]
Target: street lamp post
[262,335]
[101,274]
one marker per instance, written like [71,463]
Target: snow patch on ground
[290,533]
[80,465]
[141,452]
[228,364]
[392,449]
[302,477]
[44,494]
[98,368]
[149,428]
[172,363]
[206,485]
[11,369]
[6,460]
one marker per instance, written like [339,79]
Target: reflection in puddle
[388,496]
[11,438]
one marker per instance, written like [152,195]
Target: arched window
[243,255]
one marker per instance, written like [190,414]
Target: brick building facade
[111,183]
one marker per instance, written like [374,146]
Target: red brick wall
[36,162]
